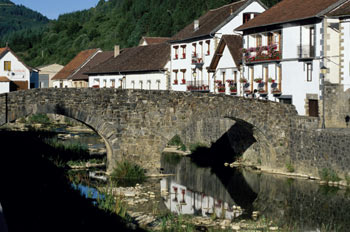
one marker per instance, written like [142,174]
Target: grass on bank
[127,173]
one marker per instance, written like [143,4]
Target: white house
[285,47]
[192,48]
[226,65]
[142,67]
[46,73]
[62,78]
[15,74]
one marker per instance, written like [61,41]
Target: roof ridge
[233,3]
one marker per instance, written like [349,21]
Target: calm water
[291,203]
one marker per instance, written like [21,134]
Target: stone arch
[97,125]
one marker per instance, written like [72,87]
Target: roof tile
[287,11]
[74,64]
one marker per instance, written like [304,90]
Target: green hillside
[111,22]
[15,18]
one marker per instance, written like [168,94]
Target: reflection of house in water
[182,200]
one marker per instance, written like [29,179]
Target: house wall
[149,81]
[345,54]
[65,84]
[294,80]
[226,64]
[4,87]
[237,21]
[19,72]
[50,70]
[203,76]
[332,52]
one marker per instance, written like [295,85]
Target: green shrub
[290,167]
[39,118]
[127,171]
[175,141]
[172,158]
[329,175]
[195,146]
[183,147]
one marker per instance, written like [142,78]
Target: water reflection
[293,204]
[196,190]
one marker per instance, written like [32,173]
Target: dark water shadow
[36,195]
[227,149]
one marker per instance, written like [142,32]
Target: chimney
[116,51]
[196,25]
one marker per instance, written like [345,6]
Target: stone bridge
[137,125]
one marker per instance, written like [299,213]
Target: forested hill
[111,22]
[14,18]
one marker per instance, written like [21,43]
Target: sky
[53,8]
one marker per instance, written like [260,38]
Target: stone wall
[136,125]
[337,106]
[314,150]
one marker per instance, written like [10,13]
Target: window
[223,77]
[61,84]
[309,72]
[194,48]
[208,47]
[113,83]
[269,39]
[175,77]
[141,84]
[201,49]
[235,76]
[158,84]
[246,17]
[7,65]
[258,40]
[176,52]
[183,51]
[104,83]
[183,74]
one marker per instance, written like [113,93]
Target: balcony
[262,53]
[306,51]
[197,86]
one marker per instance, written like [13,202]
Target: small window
[269,39]
[309,72]
[208,47]
[258,40]
[7,65]
[246,17]
[113,83]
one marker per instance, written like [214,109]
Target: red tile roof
[342,10]
[96,60]
[74,64]
[137,59]
[154,40]
[290,10]
[4,79]
[209,22]
[3,50]
[234,44]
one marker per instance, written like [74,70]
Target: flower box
[175,82]
[95,86]
[258,80]
[233,90]
[176,56]
[183,81]
[183,55]
[221,90]
[243,80]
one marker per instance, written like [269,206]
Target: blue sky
[53,8]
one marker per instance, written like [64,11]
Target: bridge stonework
[137,125]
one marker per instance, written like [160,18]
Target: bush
[126,171]
[195,146]
[39,118]
[289,167]
[329,175]
[175,141]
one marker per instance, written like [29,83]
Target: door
[313,108]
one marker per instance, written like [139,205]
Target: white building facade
[15,74]
[192,49]
[144,67]
[282,60]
